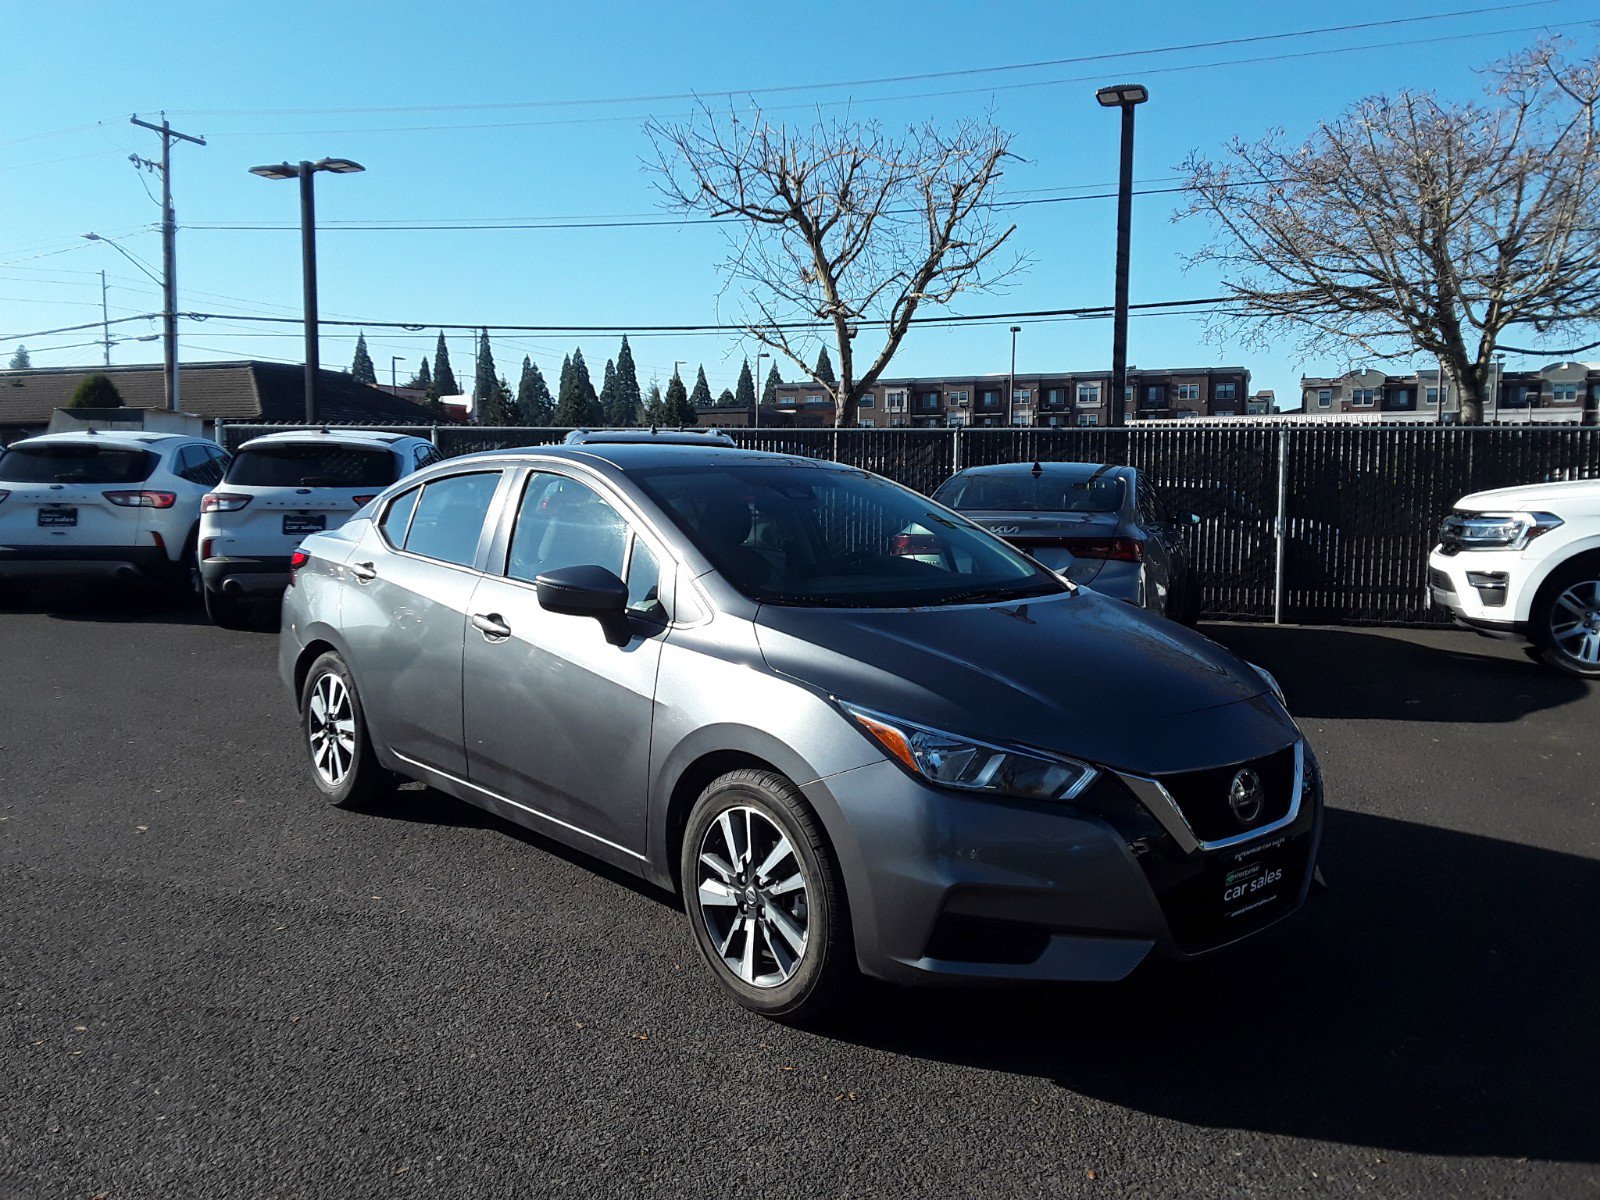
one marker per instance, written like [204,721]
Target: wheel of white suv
[334,729]
[1565,621]
[765,897]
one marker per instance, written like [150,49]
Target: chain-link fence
[1296,523]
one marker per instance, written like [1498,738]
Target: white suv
[282,487]
[1525,561]
[106,505]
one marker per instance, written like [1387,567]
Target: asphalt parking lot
[213,985]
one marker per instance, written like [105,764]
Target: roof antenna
[1037,470]
[652,429]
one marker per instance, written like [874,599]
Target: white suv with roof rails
[104,505]
[282,487]
[1525,561]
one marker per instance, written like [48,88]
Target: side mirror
[588,591]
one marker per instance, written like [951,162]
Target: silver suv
[722,670]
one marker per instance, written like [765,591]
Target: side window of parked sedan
[449,517]
[565,523]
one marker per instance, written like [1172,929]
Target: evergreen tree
[484,385]
[20,360]
[677,410]
[361,369]
[502,405]
[769,393]
[444,379]
[535,405]
[423,378]
[96,391]
[593,414]
[824,367]
[725,399]
[655,408]
[701,396]
[608,393]
[627,406]
[745,394]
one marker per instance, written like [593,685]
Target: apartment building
[1554,389]
[1048,399]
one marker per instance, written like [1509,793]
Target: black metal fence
[1297,524]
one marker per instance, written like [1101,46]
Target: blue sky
[500,110]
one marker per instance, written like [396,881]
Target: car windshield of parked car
[294,464]
[75,462]
[793,534]
[1050,491]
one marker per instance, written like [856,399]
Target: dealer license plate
[58,517]
[304,522]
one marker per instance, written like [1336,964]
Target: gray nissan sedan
[855,732]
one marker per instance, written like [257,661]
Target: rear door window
[295,465]
[75,462]
[449,517]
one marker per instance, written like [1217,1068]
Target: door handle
[364,572]
[491,625]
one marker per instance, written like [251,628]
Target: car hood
[1080,674]
[1582,494]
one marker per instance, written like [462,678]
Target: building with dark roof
[230,391]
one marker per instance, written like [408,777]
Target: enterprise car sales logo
[1244,796]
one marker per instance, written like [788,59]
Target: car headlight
[972,766]
[1266,675]
[1494,531]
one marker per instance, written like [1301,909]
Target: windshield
[1050,491]
[75,462]
[294,464]
[793,534]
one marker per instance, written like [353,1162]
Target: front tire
[1565,622]
[334,731]
[765,897]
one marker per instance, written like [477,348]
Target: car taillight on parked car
[909,545]
[222,502]
[142,499]
[297,560]
[1113,549]
[361,500]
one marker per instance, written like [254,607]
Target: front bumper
[1480,588]
[945,888]
[83,562]
[245,575]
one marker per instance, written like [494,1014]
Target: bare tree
[842,223]
[1410,224]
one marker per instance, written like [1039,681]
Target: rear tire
[765,898]
[225,610]
[333,729]
[1565,622]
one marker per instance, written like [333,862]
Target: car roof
[640,455]
[136,439]
[651,437]
[1073,469]
[347,437]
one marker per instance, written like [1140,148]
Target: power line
[1109,56]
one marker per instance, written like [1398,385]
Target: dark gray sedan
[732,674]
[1107,527]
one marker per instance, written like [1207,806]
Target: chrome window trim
[1165,809]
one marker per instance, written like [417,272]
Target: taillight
[908,545]
[1113,549]
[142,499]
[360,500]
[222,502]
[297,560]
[205,547]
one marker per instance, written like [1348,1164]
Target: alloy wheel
[1575,622]
[753,897]
[331,729]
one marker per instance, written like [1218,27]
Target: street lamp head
[91,237]
[1122,95]
[339,166]
[277,171]
[1016,329]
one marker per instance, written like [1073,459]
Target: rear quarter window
[75,462]
[304,465]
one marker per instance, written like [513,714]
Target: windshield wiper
[994,592]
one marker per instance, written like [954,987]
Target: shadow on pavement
[1439,998]
[1371,675]
[136,603]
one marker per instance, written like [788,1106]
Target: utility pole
[105,317]
[169,239]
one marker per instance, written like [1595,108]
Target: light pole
[105,316]
[1011,396]
[1125,96]
[394,358]
[304,172]
[760,387]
